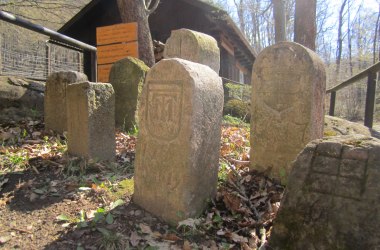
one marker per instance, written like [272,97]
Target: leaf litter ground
[49,200]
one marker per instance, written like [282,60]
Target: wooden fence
[371,74]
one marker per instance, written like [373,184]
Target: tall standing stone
[193,46]
[288,89]
[179,138]
[55,98]
[91,120]
[332,199]
[127,77]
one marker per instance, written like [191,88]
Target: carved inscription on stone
[282,89]
[286,106]
[164,109]
[177,154]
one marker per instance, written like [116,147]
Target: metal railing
[56,37]
[370,73]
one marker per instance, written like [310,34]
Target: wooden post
[370,99]
[332,103]
[48,60]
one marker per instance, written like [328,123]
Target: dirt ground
[49,200]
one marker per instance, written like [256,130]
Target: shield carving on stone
[281,89]
[164,109]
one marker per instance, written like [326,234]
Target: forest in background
[347,39]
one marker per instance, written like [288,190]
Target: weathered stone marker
[91,120]
[193,46]
[332,199]
[55,99]
[178,149]
[288,89]
[127,77]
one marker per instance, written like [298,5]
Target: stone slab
[177,152]
[91,120]
[288,89]
[193,46]
[127,77]
[55,99]
[331,210]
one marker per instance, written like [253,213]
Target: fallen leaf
[231,201]
[189,222]
[171,237]
[237,238]
[109,219]
[6,136]
[220,232]
[145,229]
[66,224]
[116,204]
[36,134]
[62,217]
[39,191]
[33,197]
[186,245]
[134,239]
[4,239]
[244,246]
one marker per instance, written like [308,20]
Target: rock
[19,93]
[193,46]
[288,89]
[13,114]
[55,98]
[127,77]
[337,126]
[91,120]
[332,197]
[178,148]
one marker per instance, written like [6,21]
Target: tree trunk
[135,11]
[349,42]
[240,11]
[305,23]
[279,20]
[340,39]
[375,39]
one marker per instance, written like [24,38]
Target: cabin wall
[173,15]
[170,15]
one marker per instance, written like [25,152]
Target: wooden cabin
[237,56]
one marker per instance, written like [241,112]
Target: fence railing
[56,37]
[36,60]
[370,73]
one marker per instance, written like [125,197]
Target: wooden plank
[118,33]
[374,68]
[104,72]
[112,53]
[227,45]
